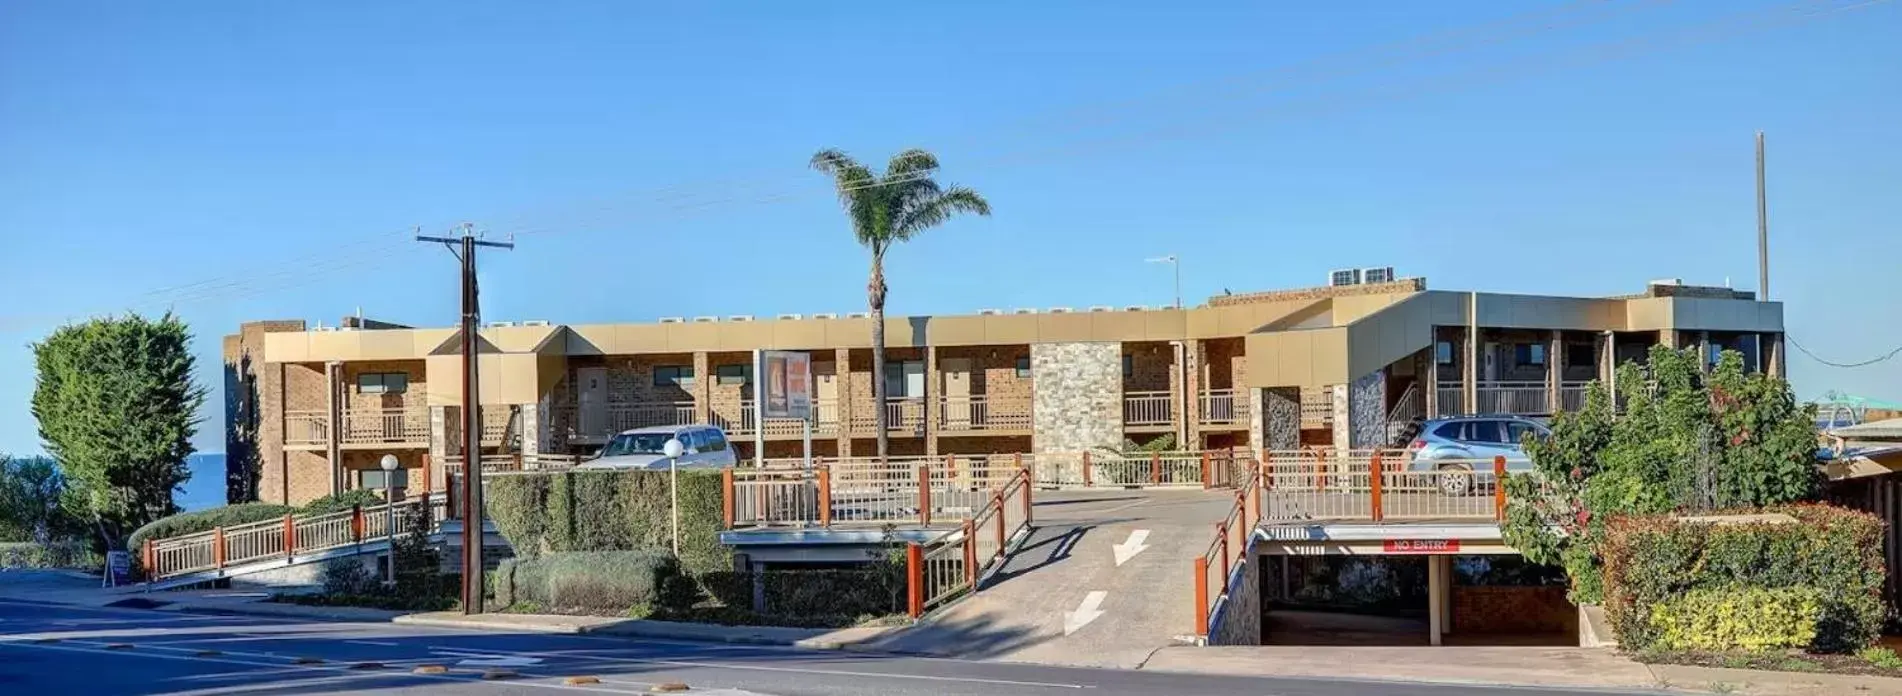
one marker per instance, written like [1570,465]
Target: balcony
[306,428]
[1317,408]
[386,426]
[1523,398]
[825,420]
[1572,395]
[1148,409]
[902,415]
[982,413]
[1224,407]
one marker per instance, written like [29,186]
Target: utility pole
[464,248]
[1763,230]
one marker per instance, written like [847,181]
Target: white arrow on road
[1129,549]
[1085,612]
[489,659]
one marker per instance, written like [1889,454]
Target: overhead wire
[1832,363]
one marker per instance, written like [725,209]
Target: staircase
[1407,417]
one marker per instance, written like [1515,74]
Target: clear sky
[251,160]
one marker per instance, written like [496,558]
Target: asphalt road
[68,651]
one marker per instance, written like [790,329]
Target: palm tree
[885,210]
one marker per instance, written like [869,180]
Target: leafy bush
[575,511]
[31,491]
[1748,618]
[1881,657]
[71,553]
[1833,552]
[612,581]
[343,501]
[348,576]
[205,521]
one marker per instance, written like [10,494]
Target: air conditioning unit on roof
[673,320]
[793,317]
[1377,274]
[501,324]
[1135,308]
[1059,310]
[535,322]
[990,312]
[825,315]
[705,320]
[859,315]
[324,328]
[740,317]
[1343,277]
[1026,310]
[1102,308]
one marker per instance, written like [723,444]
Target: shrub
[205,521]
[340,502]
[1749,618]
[71,553]
[1881,657]
[1834,552]
[576,511]
[349,577]
[613,581]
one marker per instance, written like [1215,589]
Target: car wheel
[1455,480]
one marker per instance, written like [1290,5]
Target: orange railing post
[1208,474]
[356,523]
[825,496]
[997,500]
[1027,499]
[726,493]
[970,554]
[1374,476]
[290,535]
[915,579]
[1201,595]
[1086,470]
[428,486]
[218,547]
[951,470]
[1155,468]
[151,561]
[1499,488]
[924,494]
[1221,536]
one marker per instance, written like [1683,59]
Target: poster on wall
[787,384]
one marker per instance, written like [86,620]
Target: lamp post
[672,451]
[389,464]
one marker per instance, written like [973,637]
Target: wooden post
[290,536]
[924,494]
[970,555]
[1201,595]
[1028,491]
[1374,476]
[950,470]
[997,499]
[825,497]
[1017,464]
[151,561]
[1086,470]
[1208,474]
[218,547]
[517,462]
[1221,536]
[915,579]
[726,495]
[1499,488]
[1155,468]
[428,488]
[356,524]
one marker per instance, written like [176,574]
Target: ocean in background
[206,489]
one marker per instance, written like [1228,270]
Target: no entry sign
[1421,545]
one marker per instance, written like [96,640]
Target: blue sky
[248,160]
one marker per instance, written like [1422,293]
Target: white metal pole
[389,520]
[673,492]
[759,410]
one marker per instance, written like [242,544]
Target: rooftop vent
[1026,310]
[1377,274]
[705,320]
[535,322]
[990,312]
[1059,310]
[791,316]
[1135,308]
[1343,277]
[673,320]
[501,324]
[740,317]
[1102,308]
[1667,281]
[825,315]
[859,315]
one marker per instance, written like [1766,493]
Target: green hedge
[1836,553]
[569,511]
[343,501]
[1715,619]
[596,581]
[204,521]
[69,554]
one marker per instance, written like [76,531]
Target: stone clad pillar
[702,388]
[1195,384]
[1276,425]
[1360,413]
[333,405]
[1555,371]
[528,419]
[842,371]
[442,443]
[934,406]
[1469,372]
[1077,404]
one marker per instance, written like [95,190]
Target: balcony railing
[408,425]
[1449,401]
[902,415]
[1524,398]
[1572,395]
[498,422]
[981,413]
[1317,407]
[1224,407]
[1148,408]
[630,416]
[825,420]
[306,428]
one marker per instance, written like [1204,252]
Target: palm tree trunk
[875,294]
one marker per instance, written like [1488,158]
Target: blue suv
[1456,445]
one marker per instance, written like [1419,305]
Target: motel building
[1305,388]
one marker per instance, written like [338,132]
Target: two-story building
[312,410]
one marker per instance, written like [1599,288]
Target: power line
[1831,363]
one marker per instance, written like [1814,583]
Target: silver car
[1460,444]
[702,447]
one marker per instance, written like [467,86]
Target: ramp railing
[284,538]
[1226,551]
[953,563]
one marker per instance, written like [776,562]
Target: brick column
[1703,350]
[1469,371]
[441,444]
[333,405]
[1669,338]
[842,359]
[1554,370]
[530,422]
[702,388]
[1343,417]
[934,389]
[1195,383]
[1773,358]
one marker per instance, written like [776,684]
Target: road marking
[1085,613]
[1130,548]
[378,643]
[501,662]
[787,670]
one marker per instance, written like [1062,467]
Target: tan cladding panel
[1310,357]
[506,379]
[320,346]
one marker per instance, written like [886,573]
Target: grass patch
[385,602]
[1879,662]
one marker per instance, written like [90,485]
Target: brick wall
[254,433]
[1152,366]
[631,378]
[1227,363]
[1513,610]
[988,444]
[416,395]
[1240,620]
[993,369]
[309,478]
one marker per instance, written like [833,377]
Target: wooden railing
[953,563]
[1523,398]
[306,428]
[1323,485]
[1226,551]
[1223,407]
[982,413]
[284,538]
[405,425]
[902,415]
[1148,408]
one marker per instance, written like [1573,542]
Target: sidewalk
[814,638]
[1504,666]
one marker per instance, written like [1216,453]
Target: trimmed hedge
[572,511]
[610,581]
[343,501]
[205,521]
[1756,619]
[69,554]
[1834,552]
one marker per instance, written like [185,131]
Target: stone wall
[1513,610]
[1367,410]
[1240,620]
[1078,401]
[1402,285]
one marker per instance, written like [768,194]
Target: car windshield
[635,443]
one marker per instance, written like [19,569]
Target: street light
[672,450]
[389,464]
[1177,265]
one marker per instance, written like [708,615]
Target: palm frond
[911,164]
[935,211]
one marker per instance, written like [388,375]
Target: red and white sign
[1421,545]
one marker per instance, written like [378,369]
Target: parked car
[1456,445]
[702,447]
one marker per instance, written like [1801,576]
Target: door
[591,394]
[825,392]
[959,412]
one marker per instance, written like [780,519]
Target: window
[1129,366]
[716,442]
[729,375]
[694,441]
[1450,431]
[1529,354]
[1484,431]
[373,479]
[382,383]
[1516,432]
[673,375]
[1443,353]
[904,379]
[1023,368]
[636,443]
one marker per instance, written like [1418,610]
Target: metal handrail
[224,547]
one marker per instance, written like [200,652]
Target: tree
[1687,440]
[885,210]
[31,494]
[117,407]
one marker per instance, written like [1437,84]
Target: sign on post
[787,384]
[119,568]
